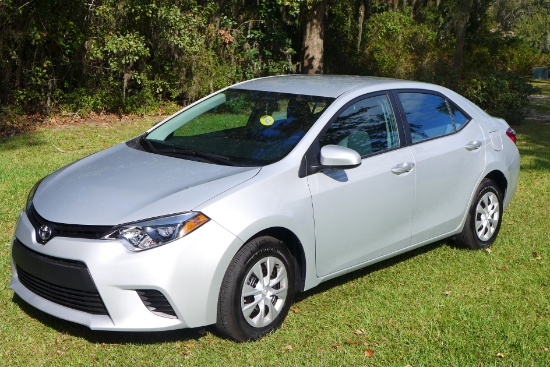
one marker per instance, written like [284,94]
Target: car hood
[122,184]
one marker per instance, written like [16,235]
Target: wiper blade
[148,145]
[211,157]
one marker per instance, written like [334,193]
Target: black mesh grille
[156,303]
[66,230]
[62,281]
[89,302]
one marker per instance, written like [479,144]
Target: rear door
[448,149]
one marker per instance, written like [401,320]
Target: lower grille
[65,282]
[156,303]
[89,302]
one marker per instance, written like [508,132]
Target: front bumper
[188,272]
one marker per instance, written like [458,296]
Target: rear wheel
[257,290]
[484,217]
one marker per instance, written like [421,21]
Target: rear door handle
[403,168]
[473,145]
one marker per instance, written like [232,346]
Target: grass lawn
[437,306]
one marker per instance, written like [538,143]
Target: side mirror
[338,157]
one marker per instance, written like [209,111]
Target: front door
[365,212]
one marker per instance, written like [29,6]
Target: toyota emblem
[45,233]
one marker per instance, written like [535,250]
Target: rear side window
[458,117]
[427,114]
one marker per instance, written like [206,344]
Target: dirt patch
[539,108]
[19,124]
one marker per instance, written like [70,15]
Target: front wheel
[257,290]
[484,217]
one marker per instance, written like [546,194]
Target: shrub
[501,93]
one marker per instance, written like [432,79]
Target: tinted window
[367,126]
[458,117]
[427,114]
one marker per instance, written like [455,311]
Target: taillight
[511,134]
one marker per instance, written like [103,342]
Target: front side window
[238,127]
[367,126]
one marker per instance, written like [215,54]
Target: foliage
[133,56]
[399,46]
[503,94]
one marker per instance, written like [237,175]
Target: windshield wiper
[148,145]
[210,157]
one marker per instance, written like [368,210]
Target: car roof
[318,85]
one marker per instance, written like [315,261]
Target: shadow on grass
[22,141]
[328,285]
[533,146]
[157,337]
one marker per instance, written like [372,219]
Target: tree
[314,36]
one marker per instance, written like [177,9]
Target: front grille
[66,230]
[156,303]
[65,282]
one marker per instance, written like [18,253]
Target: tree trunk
[360,20]
[462,19]
[313,38]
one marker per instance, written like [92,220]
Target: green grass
[437,306]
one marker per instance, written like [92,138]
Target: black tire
[253,317]
[484,217]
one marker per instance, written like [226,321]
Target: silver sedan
[222,212]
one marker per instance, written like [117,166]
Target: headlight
[150,233]
[31,196]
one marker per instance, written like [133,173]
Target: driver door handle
[402,168]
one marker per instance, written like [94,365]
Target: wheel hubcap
[264,291]
[487,216]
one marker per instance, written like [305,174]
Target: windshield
[238,127]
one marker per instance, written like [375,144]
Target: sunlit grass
[437,306]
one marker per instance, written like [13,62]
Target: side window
[367,126]
[428,115]
[458,117]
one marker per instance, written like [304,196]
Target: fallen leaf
[447,293]
[504,267]
[511,222]
[58,352]
[189,345]
[536,255]
[408,365]
[294,309]
[488,250]
[352,342]
[286,347]
[337,346]
[500,355]
[369,353]
[359,331]
[546,349]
